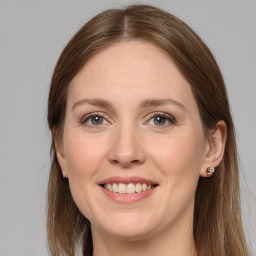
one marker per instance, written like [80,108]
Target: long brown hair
[217,219]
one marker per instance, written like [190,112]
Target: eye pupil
[159,120]
[97,120]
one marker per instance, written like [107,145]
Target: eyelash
[169,118]
[86,118]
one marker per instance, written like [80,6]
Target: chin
[129,228]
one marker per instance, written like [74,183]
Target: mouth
[130,188]
[135,187]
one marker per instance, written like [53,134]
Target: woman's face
[132,125]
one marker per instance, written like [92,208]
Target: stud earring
[210,171]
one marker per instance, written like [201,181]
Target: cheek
[179,162]
[83,154]
[178,155]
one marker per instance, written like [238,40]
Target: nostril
[125,151]
[114,161]
[125,162]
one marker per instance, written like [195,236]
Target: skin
[129,142]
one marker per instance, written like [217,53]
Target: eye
[161,119]
[94,119]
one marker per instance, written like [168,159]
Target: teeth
[144,187]
[122,188]
[109,187]
[138,188]
[115,187]
[130,188]
[149,187]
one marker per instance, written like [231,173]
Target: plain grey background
[33,34]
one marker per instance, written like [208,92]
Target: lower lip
[128,198]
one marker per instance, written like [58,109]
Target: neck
[171,242]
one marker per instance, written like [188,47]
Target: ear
[60,153]
[215,147]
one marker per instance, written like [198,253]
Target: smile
[127,189]
[130,188]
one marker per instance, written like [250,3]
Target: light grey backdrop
[32,35]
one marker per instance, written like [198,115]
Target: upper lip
[127,180]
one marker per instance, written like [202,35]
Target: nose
[127,148]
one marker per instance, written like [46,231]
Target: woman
[144,156]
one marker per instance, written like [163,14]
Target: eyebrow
[95,102]
[161,102]
[145,104]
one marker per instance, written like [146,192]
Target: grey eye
[94,120]
[97,120]
[162,119]
[159,120]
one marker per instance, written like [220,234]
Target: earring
[210,171]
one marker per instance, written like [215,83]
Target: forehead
[130,68]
